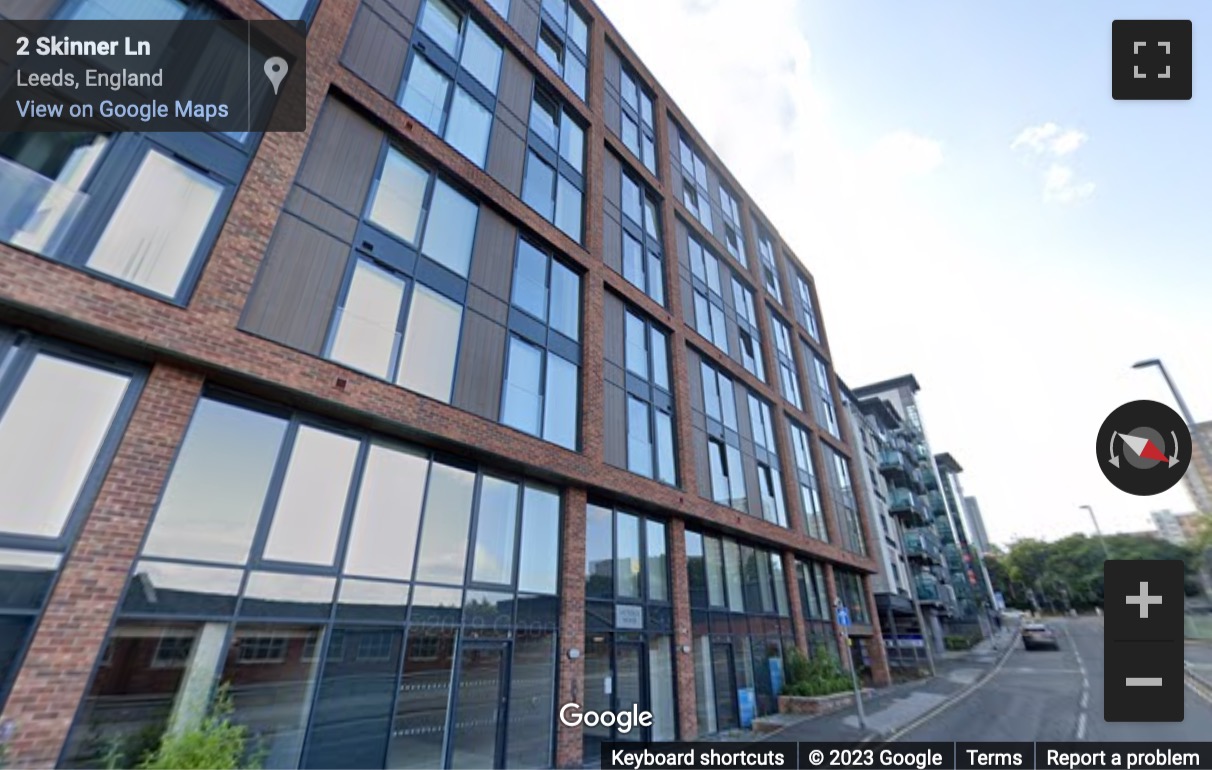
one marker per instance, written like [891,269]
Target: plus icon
[1151,59]
[1144,600]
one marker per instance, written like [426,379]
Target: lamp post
[1200,439]
[1098,531]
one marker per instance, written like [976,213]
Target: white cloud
[1059,186]
[910,280]
[1049,139]
[1042,145]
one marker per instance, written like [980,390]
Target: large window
[734,232]
[541,394]
[770,481]
[564,43]
[650,424]
[741,629]
[401,310]
[450,83]
[140,209]
[845,503]
[695,193]
[822,394]
[62,412]
[723,441]
[853,597]
[708,295]
[554,181]
[305,566]
[628,622]
[748,336]
[789,380]
[769,266]
[818,615]
[641,259]
[637,125]
[805,308]
[810,496]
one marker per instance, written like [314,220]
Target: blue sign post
[843,621]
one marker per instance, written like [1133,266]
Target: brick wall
[68,640]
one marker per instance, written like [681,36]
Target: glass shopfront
[365,603]
[742,630]
[628,625]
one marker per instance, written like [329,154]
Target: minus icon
[1143,681]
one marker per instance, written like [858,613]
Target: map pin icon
[275,70]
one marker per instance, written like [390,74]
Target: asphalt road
[1054,696]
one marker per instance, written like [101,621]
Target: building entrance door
[725,686]
[478,718]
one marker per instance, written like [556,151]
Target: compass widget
[1144,448]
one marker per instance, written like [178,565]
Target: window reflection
[388,514]
[50,434]
[495,527]
[308,515]
[445,526]
[213,499]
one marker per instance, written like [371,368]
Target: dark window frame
[558,28]
[652,253]
[644,119]
[657,399]
[450,66]
[375,245]
[538,147]
[789,378]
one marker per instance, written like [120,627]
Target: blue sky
[1018,280]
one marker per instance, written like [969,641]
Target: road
[1053,696]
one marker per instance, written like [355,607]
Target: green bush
[214,744]
[958,642]
[819,676]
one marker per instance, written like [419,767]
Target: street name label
[194,75]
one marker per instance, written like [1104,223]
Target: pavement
[1012,695]
[891,709]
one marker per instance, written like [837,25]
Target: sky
[977,211]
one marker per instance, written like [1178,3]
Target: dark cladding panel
[341,158]
[615,408]
[492,254]
[612,243]
[614,312]
[506,156]
[702,467]
[515,88]
[296,289]
[524,17]
[477,385]
[375,51]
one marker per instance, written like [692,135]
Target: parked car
[1038,636]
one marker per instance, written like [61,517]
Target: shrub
[214,744]
[819,676]
[958,642]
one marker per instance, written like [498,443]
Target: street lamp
[1098,531]
[1196,434]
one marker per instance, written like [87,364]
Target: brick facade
[200,343]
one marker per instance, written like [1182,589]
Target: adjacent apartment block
[490,392]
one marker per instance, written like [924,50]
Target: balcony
[929,480]
[920,453]
[35,211]
[951,553]
[928,589]
[938,506]
[893,464]
[923,544]
[916,481]
[901,501]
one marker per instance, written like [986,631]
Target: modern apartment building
[1198,479]
[491,391]
[1177,528]
[875,426]
[974,522]
[974,591]
[913,495]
